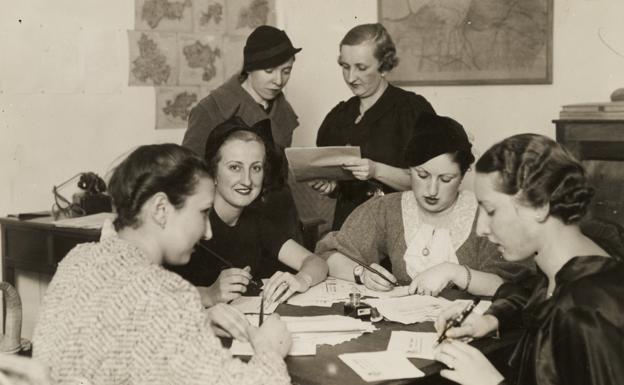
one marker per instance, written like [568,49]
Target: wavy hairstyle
[385,50]
[168,168]
[539,171]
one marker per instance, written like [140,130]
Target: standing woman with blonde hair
[380,118]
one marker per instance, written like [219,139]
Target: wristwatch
[358,272]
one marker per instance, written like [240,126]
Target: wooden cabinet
[599,144]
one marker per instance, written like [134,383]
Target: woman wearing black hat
[380,118]
[240,158]
[428,233]
[253,95]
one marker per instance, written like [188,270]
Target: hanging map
[470,41]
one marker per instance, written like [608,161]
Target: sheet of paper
[94,221]
[337,290]
[309,163]
[251,305]
[380,366]
[410,309]
[413,344]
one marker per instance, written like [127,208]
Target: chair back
[11,340]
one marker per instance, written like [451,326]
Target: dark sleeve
[328,126]
[508,302]
[362,236]
[202,120]
[423,105]
[274,235]
[587,348]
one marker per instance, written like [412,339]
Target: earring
[162,224]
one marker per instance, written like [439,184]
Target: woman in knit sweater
[113,315]
[427,234]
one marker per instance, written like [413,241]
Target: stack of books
[592,111]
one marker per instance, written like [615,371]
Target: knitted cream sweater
[111,317]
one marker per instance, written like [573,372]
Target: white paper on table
[413,344]
[410,309]
[380,366]
[251,305]
[298,348]
[337,290]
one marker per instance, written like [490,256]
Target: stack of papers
[419,308]
[337,290]
[308,332]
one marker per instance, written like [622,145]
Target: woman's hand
[226,321]
[468,366]
[433,280]
[362,169]
[282,285]
[375,282]
[475,325]
[230,284]
[271,336]
[323,186]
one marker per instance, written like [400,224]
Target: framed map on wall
[470,41]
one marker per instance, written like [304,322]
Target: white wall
[65,106]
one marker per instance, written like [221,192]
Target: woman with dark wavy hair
[532,194]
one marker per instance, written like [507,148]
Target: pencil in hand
[261,315]
[364,265]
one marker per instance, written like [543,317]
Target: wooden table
[37,246]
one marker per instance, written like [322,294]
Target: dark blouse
[254,241]
[577,335]
[382,134]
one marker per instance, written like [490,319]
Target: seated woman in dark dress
[256,245]
[532,194]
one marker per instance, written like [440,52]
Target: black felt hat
[435,135]
[221,132]
[267,47]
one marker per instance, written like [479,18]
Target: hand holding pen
[454,319]
[380,279]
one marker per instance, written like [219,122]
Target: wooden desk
[36,245]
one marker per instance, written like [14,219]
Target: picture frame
[473,42]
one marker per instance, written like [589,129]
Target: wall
[65,106]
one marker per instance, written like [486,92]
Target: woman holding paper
[532,194]
[428,233]
[380,118]
[256,94]
[113,315]
[240,157]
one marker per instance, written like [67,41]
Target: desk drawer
[26,245]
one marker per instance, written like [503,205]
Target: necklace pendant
[425,251]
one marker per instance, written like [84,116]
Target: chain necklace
[426,251]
